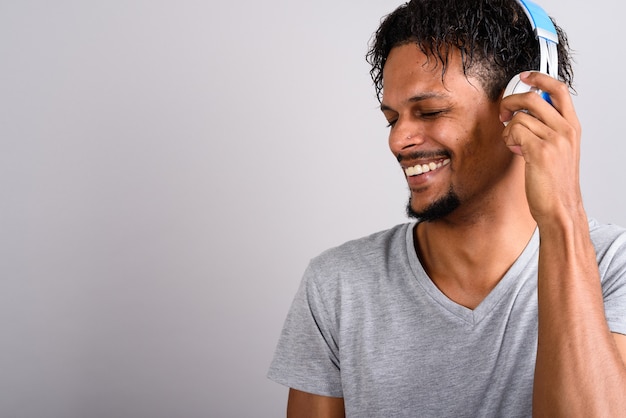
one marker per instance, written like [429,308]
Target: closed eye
[423,115]
[432,115]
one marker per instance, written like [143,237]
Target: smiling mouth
[418,169]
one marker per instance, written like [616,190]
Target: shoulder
[372,248]
[607,238]
[360,259]
[610,244]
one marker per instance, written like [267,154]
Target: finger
[559,94]
[524,135]
[531,103]
[566,125]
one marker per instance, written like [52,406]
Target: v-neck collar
[471,316]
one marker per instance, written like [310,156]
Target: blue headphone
[546,35]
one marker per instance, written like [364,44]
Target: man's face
[446,134]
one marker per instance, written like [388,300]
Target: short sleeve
[307,355]
[610,244]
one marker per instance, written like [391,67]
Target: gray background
[168,168]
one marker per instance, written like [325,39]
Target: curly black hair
[494,37]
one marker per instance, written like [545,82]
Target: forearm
[579,370]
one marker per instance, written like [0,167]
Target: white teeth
[425,168]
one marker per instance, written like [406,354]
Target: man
[503,299]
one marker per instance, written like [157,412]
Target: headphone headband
[546,34]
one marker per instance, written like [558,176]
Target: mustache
[421,155]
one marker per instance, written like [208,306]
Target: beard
[438,209]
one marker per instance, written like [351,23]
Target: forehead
[409,71]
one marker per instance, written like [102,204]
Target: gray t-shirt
[368,325]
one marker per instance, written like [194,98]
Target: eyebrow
[416,98]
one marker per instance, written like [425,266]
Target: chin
[437,209]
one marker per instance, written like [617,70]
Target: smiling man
[502,298]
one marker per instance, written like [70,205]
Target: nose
[404,135]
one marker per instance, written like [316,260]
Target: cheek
[482,152]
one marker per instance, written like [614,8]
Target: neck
[466,256]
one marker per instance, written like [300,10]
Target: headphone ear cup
[516,85]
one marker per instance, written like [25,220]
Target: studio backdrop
[168,168]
